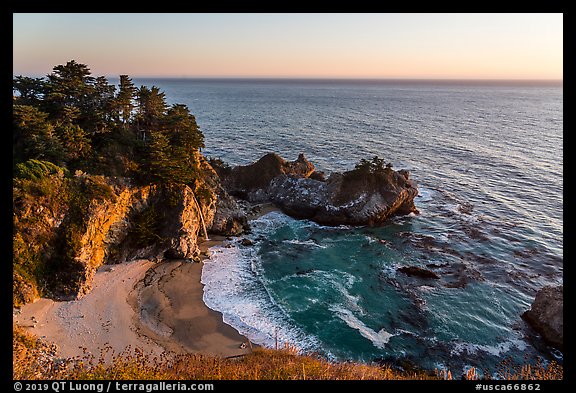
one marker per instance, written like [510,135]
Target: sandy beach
[153,306]
[173,314]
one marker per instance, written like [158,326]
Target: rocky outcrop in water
[350,198]
[364,196]
[546,315]
[250,182]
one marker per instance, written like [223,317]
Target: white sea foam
[308,242]
[270,222]
[488,163]
[341,282]
[497,350]
[233,286]
[378,338]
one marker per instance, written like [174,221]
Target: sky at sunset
[419,46]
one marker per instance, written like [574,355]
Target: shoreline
[173,313]
[154,306]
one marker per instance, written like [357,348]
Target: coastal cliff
[67,227]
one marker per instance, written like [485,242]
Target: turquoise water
[337,291]
[488,161]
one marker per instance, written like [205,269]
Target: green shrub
[97,189]
[37,169]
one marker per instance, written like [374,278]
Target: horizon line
[336,79]
[314,77]
[362,80]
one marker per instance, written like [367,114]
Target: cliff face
[80,223]
[39,209]
[110,224]
[106,222]
[228,218]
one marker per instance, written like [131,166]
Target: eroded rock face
[229,218]
[546,315]
[184,222]
[250,181]
[350,198]
[24,291]
[106,238]
[357,197]
[103,233]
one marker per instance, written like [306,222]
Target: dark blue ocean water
[488,161]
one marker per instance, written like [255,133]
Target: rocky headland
[118,220]
[85,221]
[366,195]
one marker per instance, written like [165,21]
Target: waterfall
[201,217]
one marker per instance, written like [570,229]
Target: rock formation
[82,222]
[229,219]
[546,315]
[250,181]
[357,197]
[417,271]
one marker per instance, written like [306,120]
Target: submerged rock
[418,272]
[546,315]
[246,242]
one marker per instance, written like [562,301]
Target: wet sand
[174,315]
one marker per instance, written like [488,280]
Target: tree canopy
[79,121]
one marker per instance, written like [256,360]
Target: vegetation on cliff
[75,137]
[80,122]
[50,214]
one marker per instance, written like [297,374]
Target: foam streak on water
[379,339]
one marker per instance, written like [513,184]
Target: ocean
[488,161]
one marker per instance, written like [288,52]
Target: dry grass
[32,362]
[537,371]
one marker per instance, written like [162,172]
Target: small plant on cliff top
[375,165]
